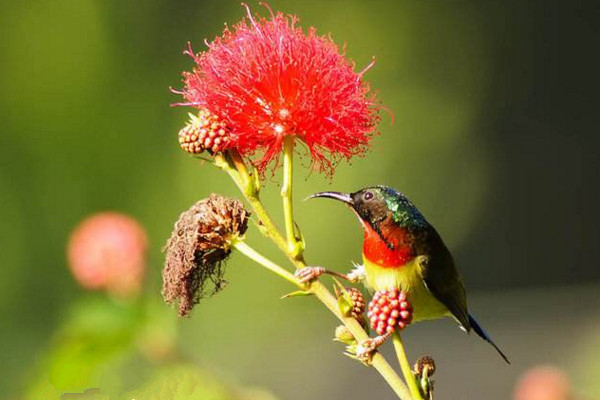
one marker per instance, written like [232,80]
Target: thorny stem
[233,164]
[405,367]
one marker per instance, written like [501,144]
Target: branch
[235,167]
[405,367]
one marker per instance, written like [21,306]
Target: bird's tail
[484,335]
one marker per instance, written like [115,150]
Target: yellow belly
[408,279]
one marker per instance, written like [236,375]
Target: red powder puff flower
[268,79]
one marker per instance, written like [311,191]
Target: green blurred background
[494,137]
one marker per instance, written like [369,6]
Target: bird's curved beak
[343,197]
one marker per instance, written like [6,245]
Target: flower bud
[351,302]
[388,311]
[424,366]
[423,369]
[204,132]
[342,334]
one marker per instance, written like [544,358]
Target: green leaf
[343,298]
[297,293]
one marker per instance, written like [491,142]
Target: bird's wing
[441,278]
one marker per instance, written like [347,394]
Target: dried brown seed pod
[200,242]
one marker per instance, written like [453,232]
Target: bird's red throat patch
[392,252]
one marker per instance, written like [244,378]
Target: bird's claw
[367,348]
[309,274]
[365,351]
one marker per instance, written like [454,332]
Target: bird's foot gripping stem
[368,347]
[309,274]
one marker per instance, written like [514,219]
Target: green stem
[325,296]
[265,262]
[378,361]
[240,167]
[294,248]
[235,167]
[405,367]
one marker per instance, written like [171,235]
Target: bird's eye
[368,196]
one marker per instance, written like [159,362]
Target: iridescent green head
[375,204]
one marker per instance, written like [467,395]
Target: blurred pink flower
[108,251]
[543,383]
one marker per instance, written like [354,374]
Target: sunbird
[402,251]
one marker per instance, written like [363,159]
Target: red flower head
[267,79]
